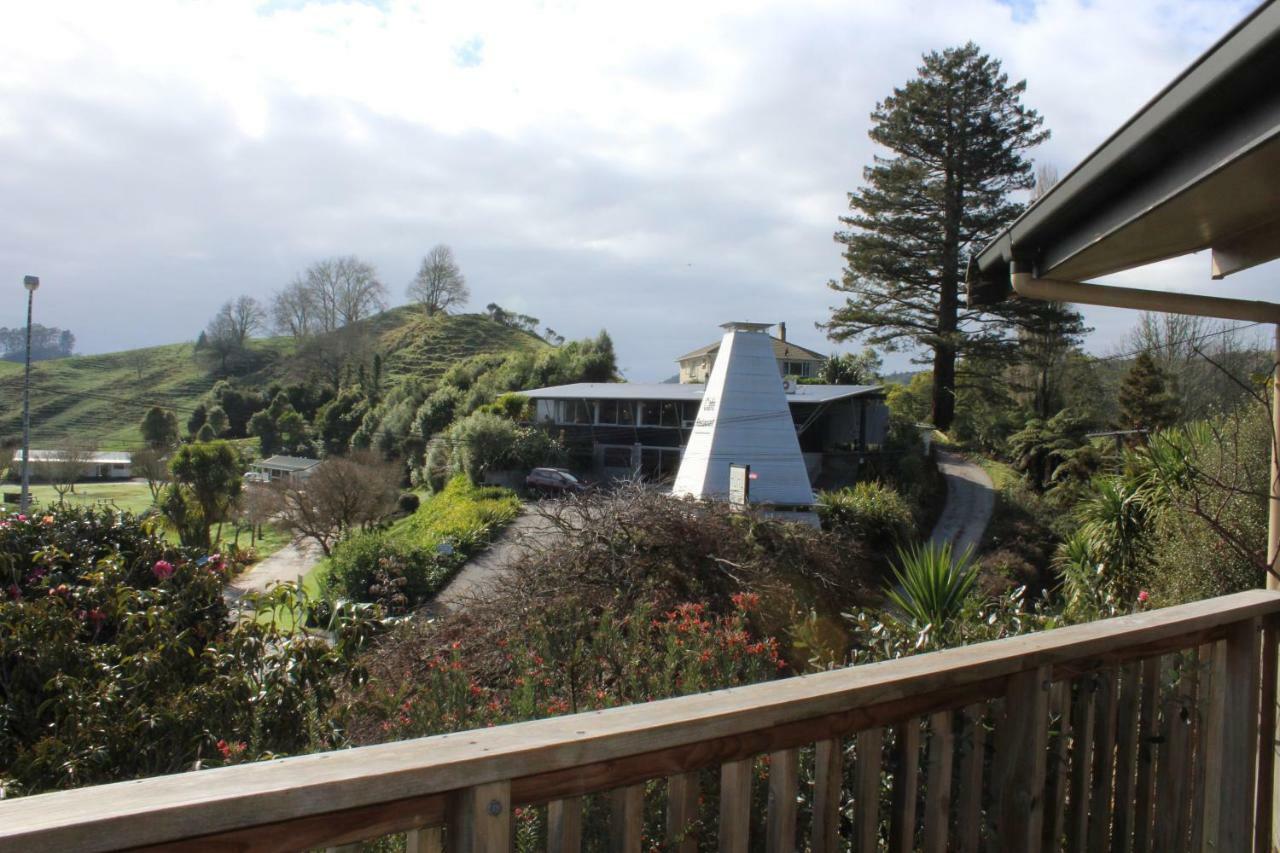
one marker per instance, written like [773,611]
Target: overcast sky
[651,168]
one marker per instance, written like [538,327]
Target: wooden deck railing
[1137,733]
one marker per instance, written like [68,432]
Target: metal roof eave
[1197,167]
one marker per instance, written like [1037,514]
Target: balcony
[1147,732]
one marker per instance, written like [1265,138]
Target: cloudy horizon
[652,170]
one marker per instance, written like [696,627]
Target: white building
[745,419]
[99,465]
[275,468]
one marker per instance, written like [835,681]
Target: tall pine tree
[958,133]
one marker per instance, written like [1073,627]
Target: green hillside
[101,398]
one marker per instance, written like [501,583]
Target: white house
[276,468]
[99,465]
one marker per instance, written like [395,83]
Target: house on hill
[275,468]
[644,427]
[793,360]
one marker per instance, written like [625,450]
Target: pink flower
[162,569]
[1143,597]
[21,517]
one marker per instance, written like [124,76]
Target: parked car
[554,480]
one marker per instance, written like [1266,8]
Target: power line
[1171,344]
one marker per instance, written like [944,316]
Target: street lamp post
[30,282]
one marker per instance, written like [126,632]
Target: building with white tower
[745,419]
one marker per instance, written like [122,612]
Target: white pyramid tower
[745,419]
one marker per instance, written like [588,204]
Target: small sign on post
[740,478]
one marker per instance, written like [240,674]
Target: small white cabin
[275,468]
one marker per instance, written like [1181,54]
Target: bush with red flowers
[118,658]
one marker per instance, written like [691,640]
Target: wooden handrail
[399,785]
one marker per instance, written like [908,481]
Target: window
[665,413]
[620,412]
[573,412]
[797,368]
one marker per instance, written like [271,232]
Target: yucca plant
[933,583]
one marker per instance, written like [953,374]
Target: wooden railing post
[828,776]
[1027,735]
[1267,833]
[480,819]
[1239,736]
[784,783]
[682,812]
[564,825]
[627,819]
[867,794]
[735,805]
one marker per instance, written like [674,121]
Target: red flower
[224,748]
[163,569]
[1143,597]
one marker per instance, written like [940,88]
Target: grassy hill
[101,398]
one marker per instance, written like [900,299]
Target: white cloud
[650,168]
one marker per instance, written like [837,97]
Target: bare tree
[247,317]
[341,494]
[343,290]
[151,465]
[62,469]
[1209,360]
[439,284]
[294,310]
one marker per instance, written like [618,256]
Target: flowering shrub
[568,661]
[118,659]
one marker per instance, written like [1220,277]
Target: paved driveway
[970,499]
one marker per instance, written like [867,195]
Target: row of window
[659,413]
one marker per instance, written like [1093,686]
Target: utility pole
[30,282]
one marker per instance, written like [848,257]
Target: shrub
[933,585]
[120,660]
[871,512]
[371,567]
[408,503]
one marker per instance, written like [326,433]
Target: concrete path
[288,564]
[481,572]
[970,499]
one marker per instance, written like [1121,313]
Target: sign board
[740,478]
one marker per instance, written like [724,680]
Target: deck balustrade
[1154,731]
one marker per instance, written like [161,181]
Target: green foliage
[120,661]
[567,659]
[217,421]
[911,402]
[849,369]
[1041,448]
[871,512]
[885,634]
[1146,401]
[338,420]
[402,567]
[483,442]
[462,514]
[159,428]
[932,585]
[957,134]
[207,480]
[372,567]
[1114,521]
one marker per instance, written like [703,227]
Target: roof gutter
[1026,285]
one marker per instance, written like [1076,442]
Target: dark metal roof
[1198,167]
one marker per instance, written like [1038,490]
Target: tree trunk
[944,387]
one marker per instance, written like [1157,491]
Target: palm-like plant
[933,584]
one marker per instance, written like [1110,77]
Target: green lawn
[132,497]
[136,498]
